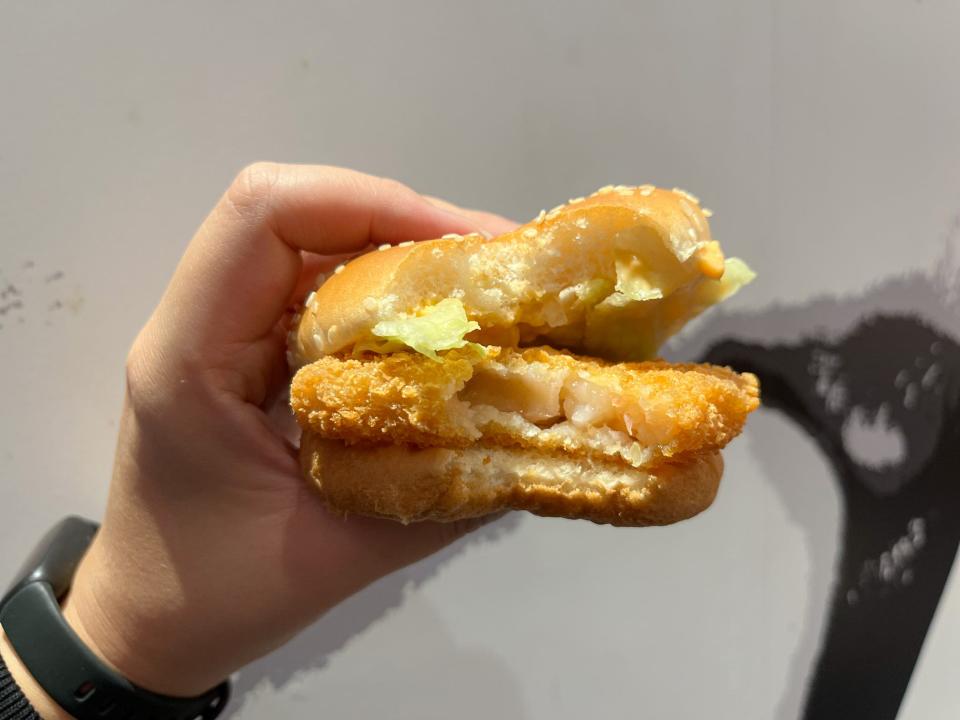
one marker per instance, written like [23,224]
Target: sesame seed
[604,189]
[574,201]
[487,235]
[310,298]
[646,190]
[450,236]
[689,196]
[692,233]
[555,209]
[623,190]
[581,222]
[541,216]
[552,214]
[707,212]
[385,246]
[530,233]
[406,243]
[338,269]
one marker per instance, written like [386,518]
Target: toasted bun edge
[412,484]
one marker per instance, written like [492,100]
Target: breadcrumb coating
[536,398]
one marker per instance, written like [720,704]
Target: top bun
[573,277]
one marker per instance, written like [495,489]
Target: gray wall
[825,135]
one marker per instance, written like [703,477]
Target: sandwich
[456,377]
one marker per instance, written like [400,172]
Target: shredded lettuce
[443,326]
[626,321]
[736,274]
[647,269]
[624,329]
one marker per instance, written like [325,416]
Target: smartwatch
[76,679]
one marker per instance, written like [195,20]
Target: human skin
[213,550]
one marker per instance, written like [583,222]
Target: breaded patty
[536,398]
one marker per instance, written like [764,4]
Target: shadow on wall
[313,648]
[875,381]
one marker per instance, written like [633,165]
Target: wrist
[45,706]
[125,633]
[63,653]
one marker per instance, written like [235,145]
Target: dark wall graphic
[882,400]
[900,528]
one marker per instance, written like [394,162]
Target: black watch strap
[63,666]
[13,703]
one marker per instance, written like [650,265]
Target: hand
[213,549]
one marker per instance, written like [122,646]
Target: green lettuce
[622,328]
[443,326]
[736,274]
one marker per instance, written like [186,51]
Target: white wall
[824,134]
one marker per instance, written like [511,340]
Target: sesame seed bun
[503,281]
[574,433]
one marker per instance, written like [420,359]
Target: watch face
[55,557]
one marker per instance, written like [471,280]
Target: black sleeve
[13,704]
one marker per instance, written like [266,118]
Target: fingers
[491,222]
[242,267]
[313,266]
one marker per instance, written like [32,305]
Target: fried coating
[533,398]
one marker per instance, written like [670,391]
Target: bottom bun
[408,484]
